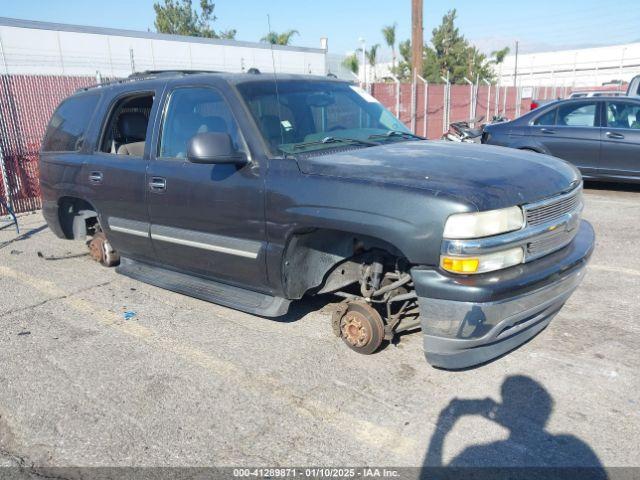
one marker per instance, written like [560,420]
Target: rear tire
[362,328]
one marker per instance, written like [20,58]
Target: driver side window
[194,110]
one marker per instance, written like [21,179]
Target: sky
[539,25]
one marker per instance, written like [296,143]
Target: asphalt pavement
[182,382]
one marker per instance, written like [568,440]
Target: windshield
[312,112]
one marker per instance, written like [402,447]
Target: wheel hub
[355,329]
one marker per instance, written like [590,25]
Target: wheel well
[77,217]
[324,260]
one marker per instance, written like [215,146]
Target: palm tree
[283,38]
[389,34]
[351,63]
[499,55]
[498,58]
[371,55]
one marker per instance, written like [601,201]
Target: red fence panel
[26,104]
[501,101]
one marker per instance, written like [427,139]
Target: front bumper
[468,320]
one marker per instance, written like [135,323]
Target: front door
[620,151]
[206,219]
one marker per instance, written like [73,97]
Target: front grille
[548,243]
[554,208]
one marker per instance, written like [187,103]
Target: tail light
[534,105]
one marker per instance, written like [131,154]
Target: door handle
[95,178]
[158,184]
[547,130]
[614,135]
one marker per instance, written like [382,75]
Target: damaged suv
[252,191]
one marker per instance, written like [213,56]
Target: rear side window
[577,115]
[547,118]
[623,114]
[69,123]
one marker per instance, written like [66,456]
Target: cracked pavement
[188,383]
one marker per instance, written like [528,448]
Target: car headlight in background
[483,224]
[487,262]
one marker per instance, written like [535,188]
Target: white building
[586,67]
[43,48]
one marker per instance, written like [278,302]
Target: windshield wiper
[397,133]
[329,140]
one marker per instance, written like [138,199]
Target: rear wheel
[362,328]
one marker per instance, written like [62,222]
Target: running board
[208,290]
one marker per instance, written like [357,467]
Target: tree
[498,58]
[453,55]
[499,55]
[450,54]
[403,70]
[351,63]
[178,17]
[389,34]
[372,55]
[283,38]
[450,48]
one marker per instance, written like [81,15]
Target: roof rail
[146,75]
[156,73]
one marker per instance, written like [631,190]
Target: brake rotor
[362,328]
[96,247]
[101,250]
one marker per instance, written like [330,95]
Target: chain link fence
[26,104]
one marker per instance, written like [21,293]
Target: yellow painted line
[363,430]
[607,268]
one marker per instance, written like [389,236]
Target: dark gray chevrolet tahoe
[252,191]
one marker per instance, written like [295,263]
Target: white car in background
[634,87]
[596,93]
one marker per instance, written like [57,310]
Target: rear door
[620,154]
[571,131]
[206,219]
[115,174]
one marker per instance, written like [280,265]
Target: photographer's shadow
[525,409]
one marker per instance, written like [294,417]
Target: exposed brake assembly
[387,306]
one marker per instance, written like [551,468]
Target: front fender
[408,219]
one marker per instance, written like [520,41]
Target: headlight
[482,263]
[483,224]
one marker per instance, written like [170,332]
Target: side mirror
[214,147]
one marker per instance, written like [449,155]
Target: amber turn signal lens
[460,265]
[487,262]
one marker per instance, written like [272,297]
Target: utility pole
[416,57]
[515,70]
[416,38]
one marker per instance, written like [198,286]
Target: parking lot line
[363,431]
